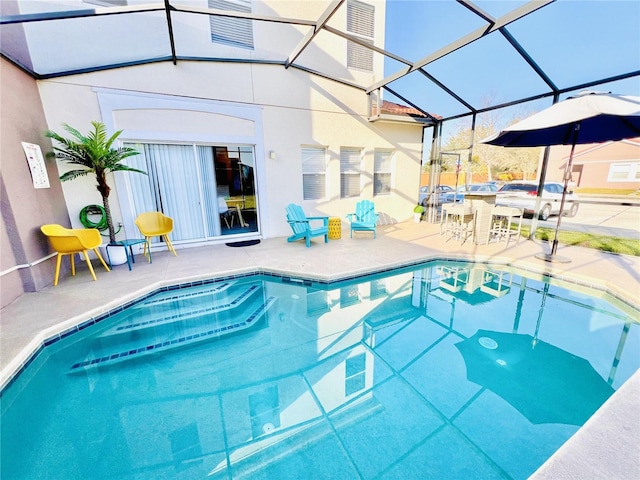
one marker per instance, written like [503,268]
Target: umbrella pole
[545,291]
[567,174]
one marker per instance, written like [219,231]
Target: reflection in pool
[436,371]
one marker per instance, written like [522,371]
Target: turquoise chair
[301,225]
[364,219]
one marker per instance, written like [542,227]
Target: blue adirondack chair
[301,225]
[364,219]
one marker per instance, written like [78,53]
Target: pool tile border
[309,281]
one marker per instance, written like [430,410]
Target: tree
[95,153]
[489,158]
[524,160]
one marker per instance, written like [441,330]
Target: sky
[573,41]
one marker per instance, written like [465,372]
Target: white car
[523,195]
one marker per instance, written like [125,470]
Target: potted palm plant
[95,154]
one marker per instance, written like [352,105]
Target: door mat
[244,243]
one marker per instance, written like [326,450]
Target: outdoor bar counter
[482,203]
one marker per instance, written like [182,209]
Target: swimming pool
[443,370]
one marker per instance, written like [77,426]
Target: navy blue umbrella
[590,117]
[543,382]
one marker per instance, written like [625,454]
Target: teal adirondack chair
[364,219]
[301,225]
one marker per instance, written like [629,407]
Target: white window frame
[236,32]
[351,169]
[632,171]
[355,374]
[314,170]
[383,161]
[108,3]
[361,24]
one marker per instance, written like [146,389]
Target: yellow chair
[155,224]
[67,241]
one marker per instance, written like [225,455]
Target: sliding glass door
[209,191]
[236,190]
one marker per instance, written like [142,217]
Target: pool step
[189,335]
[182,310]
[185,293]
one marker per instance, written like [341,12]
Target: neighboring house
[611,165]
[258,135]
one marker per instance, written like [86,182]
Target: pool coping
[75,324]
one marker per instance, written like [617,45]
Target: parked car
[497,183]
[441,191]
[474,187]
[483,187]
[454,195]
[523,195]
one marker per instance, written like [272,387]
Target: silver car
[473,187]
[441,190]
[523,195]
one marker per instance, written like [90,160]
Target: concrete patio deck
[608,446]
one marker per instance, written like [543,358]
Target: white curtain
[172,187]
[142,193]
[209,192]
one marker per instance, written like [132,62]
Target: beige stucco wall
[294,109]
[24,208]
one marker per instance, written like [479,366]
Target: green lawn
[625,246]
[608,191]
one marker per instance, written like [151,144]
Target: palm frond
[71,174]
[113,138]
[75,133]
[94,151]
[125,168]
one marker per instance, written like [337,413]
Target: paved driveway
[599,215]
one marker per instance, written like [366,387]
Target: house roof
[391,108]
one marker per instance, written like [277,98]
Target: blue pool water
[442,370]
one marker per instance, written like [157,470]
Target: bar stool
[460,223]
[444,218]
[500,226]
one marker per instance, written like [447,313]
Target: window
[553,188]
[624,172]
[360,22]
[237,32]
[355,374]
[314,173]
[108,3]
[378,288]
[382,172]
[317,302]
[349,296]
[350,159]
